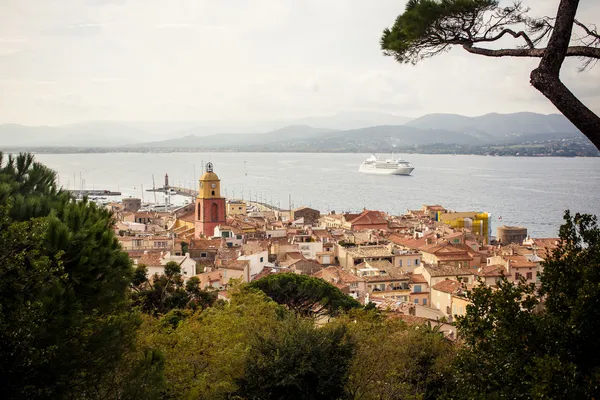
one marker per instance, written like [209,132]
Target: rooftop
[448,286]
[369,251]
[492,270]
[448,270]
[337,273]
[238,265]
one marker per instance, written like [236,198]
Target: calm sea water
[533,192]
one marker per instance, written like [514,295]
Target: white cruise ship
[390,166]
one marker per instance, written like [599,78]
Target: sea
[533,192]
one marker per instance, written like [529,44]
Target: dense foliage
[160,294]
[64,317]
[305,295]
[523,343]
[68,328]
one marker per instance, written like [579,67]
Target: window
[530,275]
[466,279]
[424,302]
[138,242]
[239,237]
[408,263]
[517,276]
[400,263]
[214,211]
[354,285]
[417,261]
[262,259]
[203,255]
[417,289]
[416,301]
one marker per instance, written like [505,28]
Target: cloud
[253,59]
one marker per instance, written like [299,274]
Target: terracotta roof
[337,273]
[368,217]
[492,270]
[238,265]
[448,252]
[435,207]
[226,253]
[448,286]
[255,247]
[205,244]
[151,258]
[410,242]
[369,251]
[519,261]
[295,255]
[306,267]
[417,278]
[448,270]
[189,217]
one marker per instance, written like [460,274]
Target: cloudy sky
[64,61]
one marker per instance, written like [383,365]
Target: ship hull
[387,171]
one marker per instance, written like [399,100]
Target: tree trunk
[546,77]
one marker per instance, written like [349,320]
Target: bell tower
[210,206]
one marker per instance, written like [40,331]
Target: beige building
[236,207]
[419,290]
[448,296]
[129,243]
[518,266]
[131,204]
[384,279]
[310,215]
[511,234]
[338,276]
[351,257]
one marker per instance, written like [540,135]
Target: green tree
[297,361]
[431,27]
[306,295]
[206,352]
[160,294]
[65,320]
[520,342]
[396,361]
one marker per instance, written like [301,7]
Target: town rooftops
[205,244]
[448,270]
[417,278]
[238,265]
[151,258]
[369,251]
[367,217]
[338,274]
[492,270]
[518,261]
[448,286]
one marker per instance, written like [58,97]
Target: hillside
[495,126]
[233,140]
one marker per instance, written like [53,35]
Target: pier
[261,206]
[101,192]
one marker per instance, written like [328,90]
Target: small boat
[390,166]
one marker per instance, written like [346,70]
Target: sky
[68,61]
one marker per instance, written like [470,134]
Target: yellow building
[476,222]
[236,207]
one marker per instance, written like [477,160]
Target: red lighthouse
[210,206]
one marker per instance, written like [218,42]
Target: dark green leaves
[305,295]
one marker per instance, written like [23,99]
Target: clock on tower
[210,206]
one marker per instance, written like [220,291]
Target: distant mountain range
[340,132]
